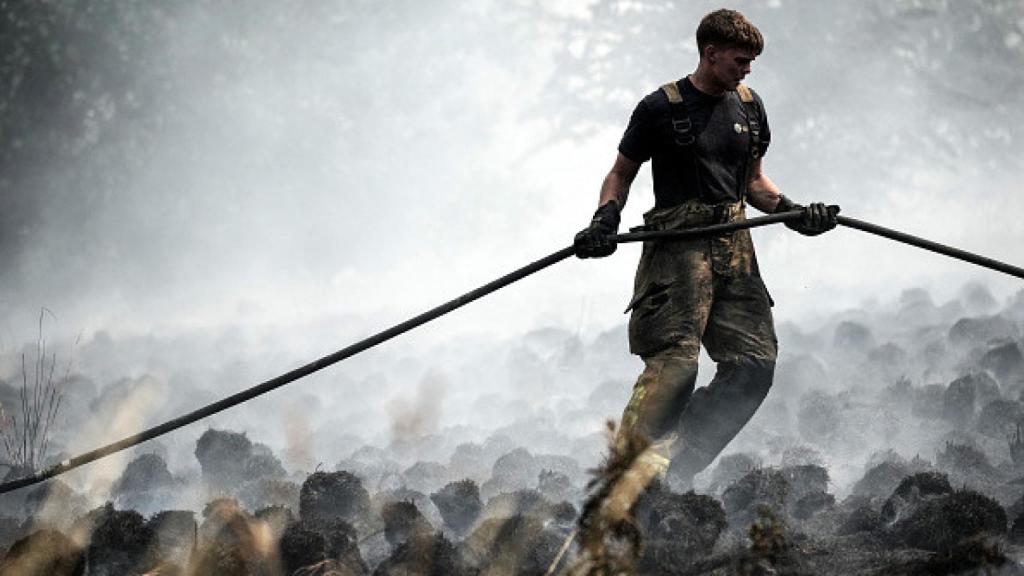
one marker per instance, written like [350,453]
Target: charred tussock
[940,524]
[44,552]
[877,452]
[459,505]
[432,554]
[146,485]
[677,528]
[760,488]
[769,551]
[403,523]
[514,545]
[326,496]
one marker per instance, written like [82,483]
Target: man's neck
[701,80]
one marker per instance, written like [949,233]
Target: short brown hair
[728,28]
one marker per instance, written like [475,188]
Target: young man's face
[729,65]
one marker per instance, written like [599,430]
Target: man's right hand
[595,241]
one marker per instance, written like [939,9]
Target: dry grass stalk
[610,538]
[27,440]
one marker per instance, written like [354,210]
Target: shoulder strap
[672,91]
[745,95]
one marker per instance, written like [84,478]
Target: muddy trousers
[691,427]
[688,294]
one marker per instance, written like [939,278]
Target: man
[705,135]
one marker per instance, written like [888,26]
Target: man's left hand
[817,217]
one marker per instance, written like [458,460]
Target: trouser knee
[759,374]
[719,411]
[660,394]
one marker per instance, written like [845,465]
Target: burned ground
[890,444]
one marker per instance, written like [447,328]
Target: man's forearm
[616,183]
[763,194]
[615,187]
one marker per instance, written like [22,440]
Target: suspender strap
[672,91]
[754,125]
[681,124]
[745,95]
[682,127]
[753,122]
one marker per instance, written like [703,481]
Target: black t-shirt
[713,168]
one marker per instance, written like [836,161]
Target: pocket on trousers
[656,320]
[657,292]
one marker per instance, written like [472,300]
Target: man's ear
[711,53]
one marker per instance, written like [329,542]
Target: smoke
[298,452]
[420,415]
[270,165]
[239,190]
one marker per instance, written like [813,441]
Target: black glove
[818,218]
[593,241]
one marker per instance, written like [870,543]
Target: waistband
[691,214]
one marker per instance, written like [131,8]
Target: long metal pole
[459,302]
[932,246]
